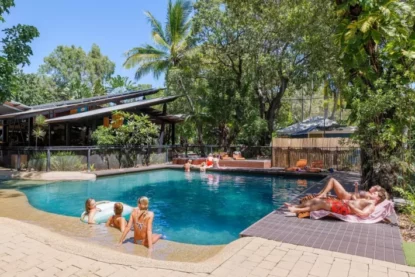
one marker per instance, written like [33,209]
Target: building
[316,127]
[72,122]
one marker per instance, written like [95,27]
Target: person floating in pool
[90,210]
[142,221]
[187,166]
[117,220]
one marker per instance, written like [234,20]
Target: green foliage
[409,196]
[170,43]
[135,132]
[409,251]
[249,55]
[376,40]
[121,84]
[15,51]
[35,89]
[39,128]
[66,161]
[59,161]
[76,73]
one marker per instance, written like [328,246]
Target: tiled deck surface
[26,250]
[379,241]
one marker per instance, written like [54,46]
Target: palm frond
[139,55]
[155,25]
[157,67]
[177,18]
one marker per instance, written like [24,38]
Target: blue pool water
[196,208]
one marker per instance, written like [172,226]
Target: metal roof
[122,107]
[92,99]
[307,126]
[80,103]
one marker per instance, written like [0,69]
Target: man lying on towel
[360,207]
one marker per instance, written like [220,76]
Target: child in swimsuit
[117,220]
[91,209]
[142,221]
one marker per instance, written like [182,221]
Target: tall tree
[253,51]
[35,89]
[77,72]
[378,53]
[15,51]
[171,43]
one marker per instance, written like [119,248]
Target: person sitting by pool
[342,194]
[142,221]
[91,209]
[188,165]
[209,161]
[360,207]
[117,220]
[202,167]
[216,161]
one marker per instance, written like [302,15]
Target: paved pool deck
[29,250]
[379,241]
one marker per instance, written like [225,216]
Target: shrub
[66,161]
[59,161]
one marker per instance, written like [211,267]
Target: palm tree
[171,44]
[39,131]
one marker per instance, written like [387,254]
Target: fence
[313,142]
[75,158]
[343,159]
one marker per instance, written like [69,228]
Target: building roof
[73,104]
[307,126]
[129,94]
[123,107]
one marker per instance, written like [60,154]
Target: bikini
[209,163]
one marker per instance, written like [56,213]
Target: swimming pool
[197,208]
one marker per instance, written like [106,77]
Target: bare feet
[288,204]
[292,209]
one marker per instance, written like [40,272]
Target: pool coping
[104,254]
[268,171]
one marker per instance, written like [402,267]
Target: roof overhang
[81,103]
[123,107]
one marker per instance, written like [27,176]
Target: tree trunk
[333,112]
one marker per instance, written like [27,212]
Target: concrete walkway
[28,250]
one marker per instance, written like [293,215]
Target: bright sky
[116,26]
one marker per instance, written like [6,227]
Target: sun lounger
[300,165]
[224,156]
[382,211]
[316,166]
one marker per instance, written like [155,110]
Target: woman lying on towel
[342,194]
[360,207]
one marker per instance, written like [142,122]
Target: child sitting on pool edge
[117,220]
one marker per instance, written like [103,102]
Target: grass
[409,250]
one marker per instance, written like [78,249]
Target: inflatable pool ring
[105,210]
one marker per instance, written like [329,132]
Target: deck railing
[68,158]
